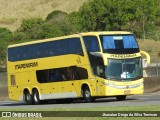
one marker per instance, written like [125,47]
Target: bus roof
[105,33]
[70,36]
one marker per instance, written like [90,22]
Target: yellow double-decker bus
[85,65]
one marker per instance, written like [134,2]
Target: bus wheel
[121,97]
[87,95]
[28,98]
[36,99]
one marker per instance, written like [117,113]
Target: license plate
[127,92]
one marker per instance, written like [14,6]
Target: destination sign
[124,56]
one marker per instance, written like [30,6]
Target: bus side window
[61,74]
[74,73]
[82,73]
[42,76]
[91,43]
[97,65]
[56,75]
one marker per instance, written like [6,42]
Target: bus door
[99,71]
[100,86]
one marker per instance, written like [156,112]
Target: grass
[114,108]
[8,21]
[132,109]
[21,9]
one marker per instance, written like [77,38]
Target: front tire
[87,95]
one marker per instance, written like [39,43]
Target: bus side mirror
[147,56]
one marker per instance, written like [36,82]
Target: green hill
[14,11]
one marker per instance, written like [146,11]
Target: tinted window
[97,65]
[61,74]
[119,44]
[125,69]
[46,49]
[91,43]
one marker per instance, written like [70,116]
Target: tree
[56,15]
[131,15]
[45,30]
[62,21]
[28,24]
[110,15]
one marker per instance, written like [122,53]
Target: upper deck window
[122,44]
[91,43]
[45,49]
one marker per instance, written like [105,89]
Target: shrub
[5,34]
[46,30]
[28,24]
[19,37]
[56,15]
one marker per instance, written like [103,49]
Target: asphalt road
[134,100]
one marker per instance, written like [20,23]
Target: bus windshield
[124,69]
[119,44]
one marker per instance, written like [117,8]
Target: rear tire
[87,95]
[28,98]
[121,97]
[36,99]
